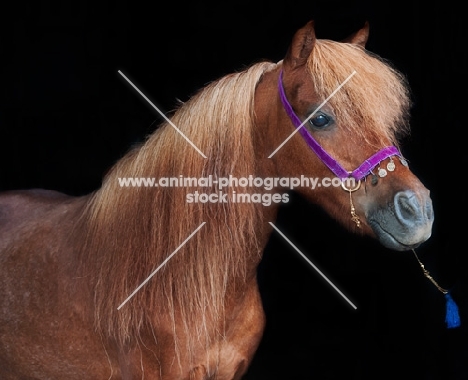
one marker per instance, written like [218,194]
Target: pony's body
[66,264]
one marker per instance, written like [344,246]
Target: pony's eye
[320,120]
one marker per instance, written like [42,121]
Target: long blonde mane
[132,230]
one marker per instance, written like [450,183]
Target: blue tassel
[452,318]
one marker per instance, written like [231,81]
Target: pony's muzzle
[405,223]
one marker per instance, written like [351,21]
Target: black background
[66,116]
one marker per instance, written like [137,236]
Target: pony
[77,300]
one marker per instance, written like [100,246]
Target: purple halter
[362,171]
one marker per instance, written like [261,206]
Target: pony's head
[349,107]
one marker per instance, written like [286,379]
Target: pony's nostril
[408,208]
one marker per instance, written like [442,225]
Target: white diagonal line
[162,114]
[312,114]
[160,266]
[313,266]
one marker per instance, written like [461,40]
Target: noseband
[362,170]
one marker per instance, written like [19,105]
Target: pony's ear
[360,37]
[301,46]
